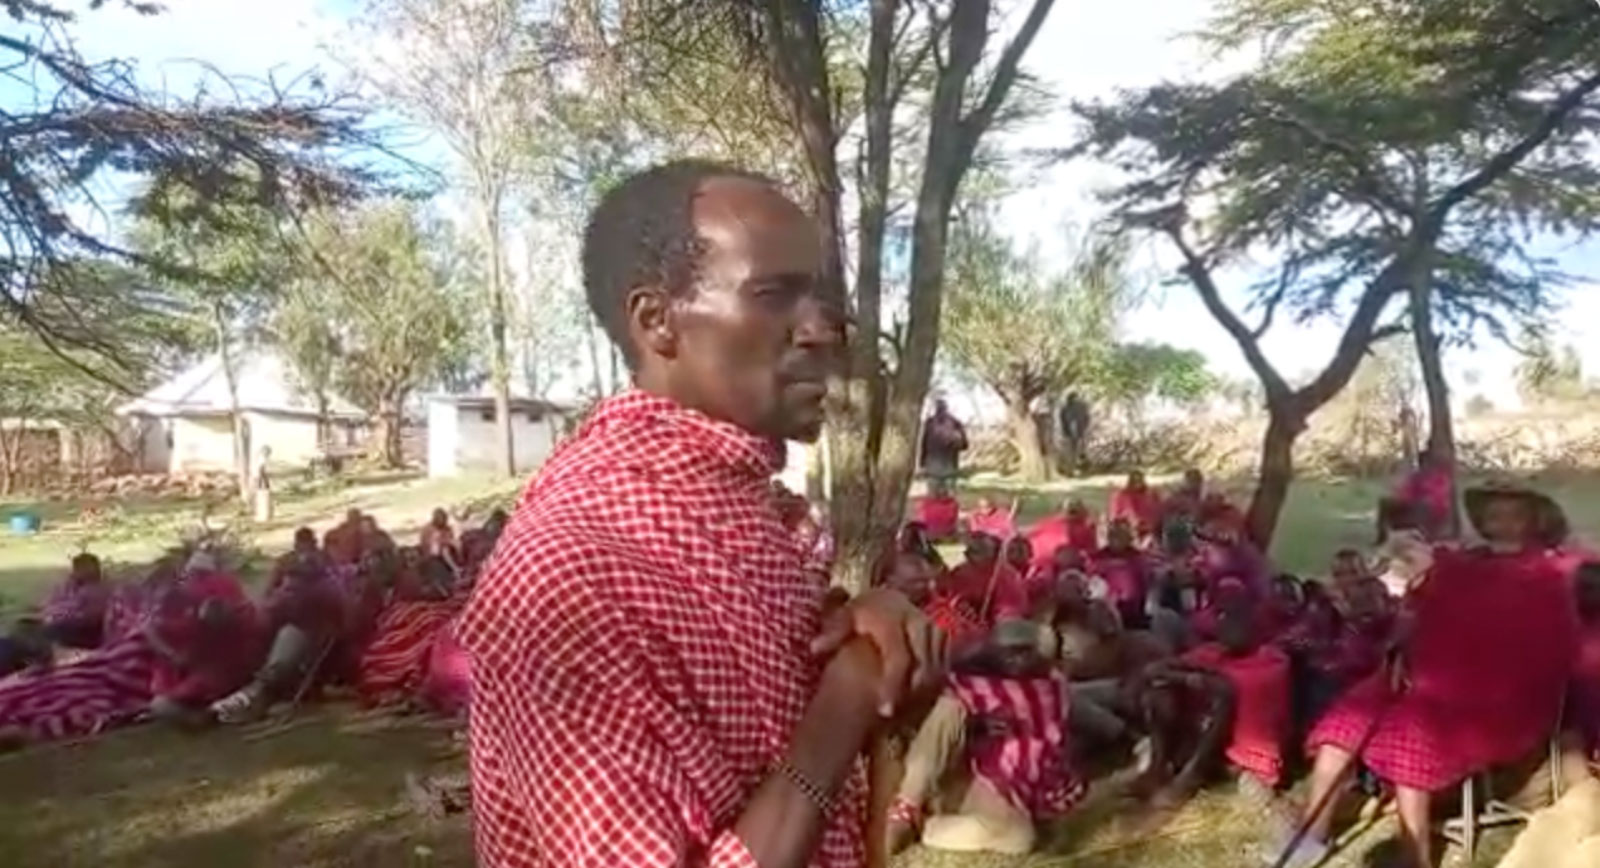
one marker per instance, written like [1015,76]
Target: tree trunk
[857,400]
[10,455]
[1275,473]
[230,375]
[389,430]
[594,359]
[1032,464]
[500,360]
[1441,423]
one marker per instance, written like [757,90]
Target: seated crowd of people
[1165,636]
[189,645]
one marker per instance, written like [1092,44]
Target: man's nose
[821,324]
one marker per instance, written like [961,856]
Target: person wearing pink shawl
[75,611]
[986,518]
[939,513]
[1487,644]
[1140,504]
[210,638]
[987,583]
[1427,494]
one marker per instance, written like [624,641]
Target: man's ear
[650,321]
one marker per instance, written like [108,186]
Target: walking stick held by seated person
[1325,803]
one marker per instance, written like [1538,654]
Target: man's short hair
[641,234]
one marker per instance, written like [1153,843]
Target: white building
[185,424]
[463,436]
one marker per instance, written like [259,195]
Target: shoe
[241,706]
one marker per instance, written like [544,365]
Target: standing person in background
[944,438]
[1074,420]
[653,681]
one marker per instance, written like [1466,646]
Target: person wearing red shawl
[653,680]
[307,615]
[438,538]
[986,518]
[1581,739]
[344,545]
[1221,551]
[394,665]
[1126,571]
[1139,504]
[74,613]
[1223,700]
[1488,641]
[1073,527]
[1188,500]
[990,760]
[987,583]
[108,687]
[210,638]
[1426,495]
[939,513]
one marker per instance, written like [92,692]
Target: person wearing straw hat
[1487,644]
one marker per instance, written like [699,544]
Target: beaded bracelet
[808,788]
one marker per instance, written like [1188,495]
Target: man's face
[1193,480]
[1119,535]
[754,340]
[1018,552]
[1136,481]
[982,550]
[1507,520]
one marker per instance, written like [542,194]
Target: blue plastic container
[24,523]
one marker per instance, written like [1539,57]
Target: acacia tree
[65,120]
[389,294]
[457,67]
[1028,335]
[1371,173]
[228,270]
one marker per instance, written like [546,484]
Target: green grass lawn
[328,789]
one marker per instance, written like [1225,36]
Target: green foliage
[1372,130]
[66,121]
[1137,372]
[378,310]
[1023,332]
[1547,373]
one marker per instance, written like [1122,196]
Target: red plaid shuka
[1493,643]
[1024,761]
[639,647]
[395,662]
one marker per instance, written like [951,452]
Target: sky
[1085,50]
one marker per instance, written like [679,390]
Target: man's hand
[910,648]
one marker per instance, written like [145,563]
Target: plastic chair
[1463,830]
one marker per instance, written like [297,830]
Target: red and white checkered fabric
[1025,761]
[639,651]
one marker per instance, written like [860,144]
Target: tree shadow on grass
[326,792]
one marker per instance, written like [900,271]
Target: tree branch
[973,126]
[1199,274]
[1368,182]
[1508,159]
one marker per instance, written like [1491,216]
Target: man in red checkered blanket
[990,759]
[653,680]
[1490,636]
